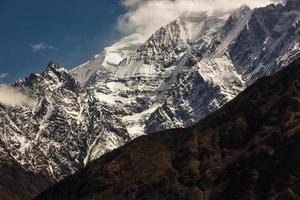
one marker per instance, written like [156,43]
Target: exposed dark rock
[249,149]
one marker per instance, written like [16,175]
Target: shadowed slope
[16,183]
[249,149]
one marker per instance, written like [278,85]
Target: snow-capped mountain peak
[180,74]
[199,50]
[61,133]
[104,64]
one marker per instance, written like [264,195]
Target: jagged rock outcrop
[64,130]
[251,44]
[184,71]
[249,149]
[142,81]
[192,66]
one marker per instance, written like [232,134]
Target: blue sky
[68,32]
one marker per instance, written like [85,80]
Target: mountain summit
[64,130]
[192,66]
[184,71]
[250,148]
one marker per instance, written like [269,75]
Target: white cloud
[146,16]
[42,46]
[11,96]
[3,76]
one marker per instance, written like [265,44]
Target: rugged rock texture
[138,83]
[249,45]
[249,149]
[184,71]
[192,66]
[64,130]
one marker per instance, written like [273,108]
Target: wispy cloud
[11,96]
[42,46]
[3,76]
[146,16]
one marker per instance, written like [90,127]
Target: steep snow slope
[66,128]
[184,71]
[268,42]
[249,149]
[195,65]
[142,81]
[252,43]
[211,81]
[102,65]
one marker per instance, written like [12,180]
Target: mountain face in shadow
[16,183]
[249,149]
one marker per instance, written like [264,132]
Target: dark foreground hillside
[16,183]
[250,149]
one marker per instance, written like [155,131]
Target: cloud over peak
[10,96]
[146,16]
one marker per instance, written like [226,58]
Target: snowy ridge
[215,55]
[103,65]
[142,81]
[184,71]
[60,134]
[245,58]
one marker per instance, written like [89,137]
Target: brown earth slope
[16,183]
[250,149]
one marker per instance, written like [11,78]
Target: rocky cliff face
[144,79]
[193,66]
[249,149]
[251,44]
[184,71]
[63,131]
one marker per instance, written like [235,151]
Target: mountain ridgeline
[249,149]
[138,86]
[56,137]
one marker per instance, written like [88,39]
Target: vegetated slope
[249,149]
